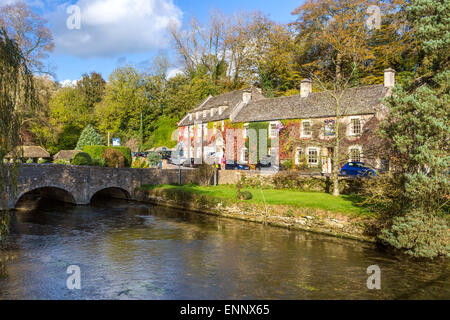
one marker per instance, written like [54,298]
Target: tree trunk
[336,152]
[338,68]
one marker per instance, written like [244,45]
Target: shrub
[421,234]
[82,159]
[42,160]
[245,195]
[114,158]
[96,152]
[154,157]
[89,137]
[61,161]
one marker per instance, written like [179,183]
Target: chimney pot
[389,78]
[305,88]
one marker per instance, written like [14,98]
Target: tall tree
[30,32]
[16,82]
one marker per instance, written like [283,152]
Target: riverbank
[307,211]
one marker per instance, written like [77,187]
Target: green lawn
[315,200]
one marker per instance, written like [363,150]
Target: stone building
[300,128]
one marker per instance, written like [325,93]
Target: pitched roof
[66,154]
[31,152]
[362,100]
[229,99]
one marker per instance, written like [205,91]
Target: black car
[234,165]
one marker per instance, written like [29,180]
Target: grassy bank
[347,205]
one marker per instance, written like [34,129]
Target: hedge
[96,152]
[82,159]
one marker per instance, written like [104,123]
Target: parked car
[234,165]
[166,155]
[357,169]
[264,162]
[177,160]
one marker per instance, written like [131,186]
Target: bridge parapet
[83,182]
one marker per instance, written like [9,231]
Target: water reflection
[135,251]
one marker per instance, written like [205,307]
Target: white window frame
[197,115]
[351,128]
[355,147]
[190,116]
[244,152]
[186,132]
[220,111]
[212,112]
[199,130]
[318,156]
[302,131]
[270,128]
[205,130]
[204,113]
[214,127]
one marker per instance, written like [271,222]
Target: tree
[331,33]
[16,81]
[91,88]
[416,134]
[89,137]
[30,33]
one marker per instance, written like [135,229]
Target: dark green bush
[245,195]
[96,152]
[114,158]
[420,234]
[82,159]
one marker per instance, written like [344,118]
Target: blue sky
[119,32]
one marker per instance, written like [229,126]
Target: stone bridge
[79,184]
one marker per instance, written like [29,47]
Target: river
[129,250]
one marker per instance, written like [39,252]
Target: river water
[129,250]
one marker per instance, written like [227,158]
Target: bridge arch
[111,192]
[58,193]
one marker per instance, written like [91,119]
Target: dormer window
[190,116]
[212,112]
[197,114]
[220,111]
[204,113]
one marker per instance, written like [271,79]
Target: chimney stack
[305,88]
[389,78]
[247,95]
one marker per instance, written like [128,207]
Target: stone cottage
[300,128]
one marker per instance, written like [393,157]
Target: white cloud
[174,72]
[113,27]
[69,83]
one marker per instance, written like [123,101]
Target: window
[186,132]
[313,156]
[212,112]
[204,113]
[220,110]
[199,153]
[245,130]
[355,126]
[205,129]
[298,155]
[214,128]
[199,130]
[306,129]
[190,116]
[244,156]
[355,154]
[329,127]
[273,129]
[197,115]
